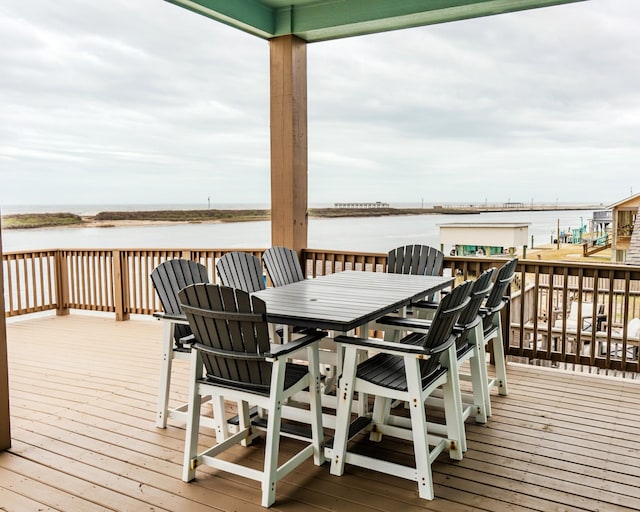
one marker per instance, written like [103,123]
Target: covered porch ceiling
[321,20]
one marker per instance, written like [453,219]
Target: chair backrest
[633,328]
[169,278]
[232,325]
[241,270]
[586,310]
[469,317]
[415,259]
[496,299]
[283,266]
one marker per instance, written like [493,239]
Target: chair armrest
[485,311]
[227,353]
[414,324]
[187,340]
[425,304]
[294,345]
[171,318]
[389,347]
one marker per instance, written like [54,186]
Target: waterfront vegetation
[40,220]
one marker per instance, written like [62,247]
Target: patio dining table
[346,300]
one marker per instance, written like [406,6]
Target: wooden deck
[83,392]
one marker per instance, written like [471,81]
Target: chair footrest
[357,425]
[235,420]
[286,428]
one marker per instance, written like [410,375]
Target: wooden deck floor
[83,394]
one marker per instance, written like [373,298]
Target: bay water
[368,234]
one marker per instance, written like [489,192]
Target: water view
[370,234]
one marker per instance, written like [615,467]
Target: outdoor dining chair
[232,343]
[469,346]
[168,279]
[408,371]
[282,265]
[492,326]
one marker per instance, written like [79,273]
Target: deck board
[83,390]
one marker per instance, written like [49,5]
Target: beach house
[625,224]
[84,387]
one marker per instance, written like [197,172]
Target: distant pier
[377,204]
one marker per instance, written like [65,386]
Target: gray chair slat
[282,265]
[496,299]
[169,278]
[415,259]
[241,270]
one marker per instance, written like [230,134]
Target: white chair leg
[419,429]
[482,356]
[499,358]
[244,418]
[479,379]
[315,404]
[193,419]
[272,440]
[381,412]
[453,407]
[343,413]
[219,418]
[165,374]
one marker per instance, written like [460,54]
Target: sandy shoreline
[93,223]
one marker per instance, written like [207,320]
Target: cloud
[145,102]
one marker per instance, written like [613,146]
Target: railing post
[62,283]
[5,430]
[120,288]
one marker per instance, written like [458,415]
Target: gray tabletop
[346,300]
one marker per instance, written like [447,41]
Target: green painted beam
[252,16]
[319,20]
[347,18]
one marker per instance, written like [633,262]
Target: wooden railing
[117,281]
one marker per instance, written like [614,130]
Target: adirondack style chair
[492,326]
[469,345]
[241,270]
[408,371]
[232,343]
[168,279]
[283,266]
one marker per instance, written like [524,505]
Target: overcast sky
[145,102]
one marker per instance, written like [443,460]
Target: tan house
[625,213]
